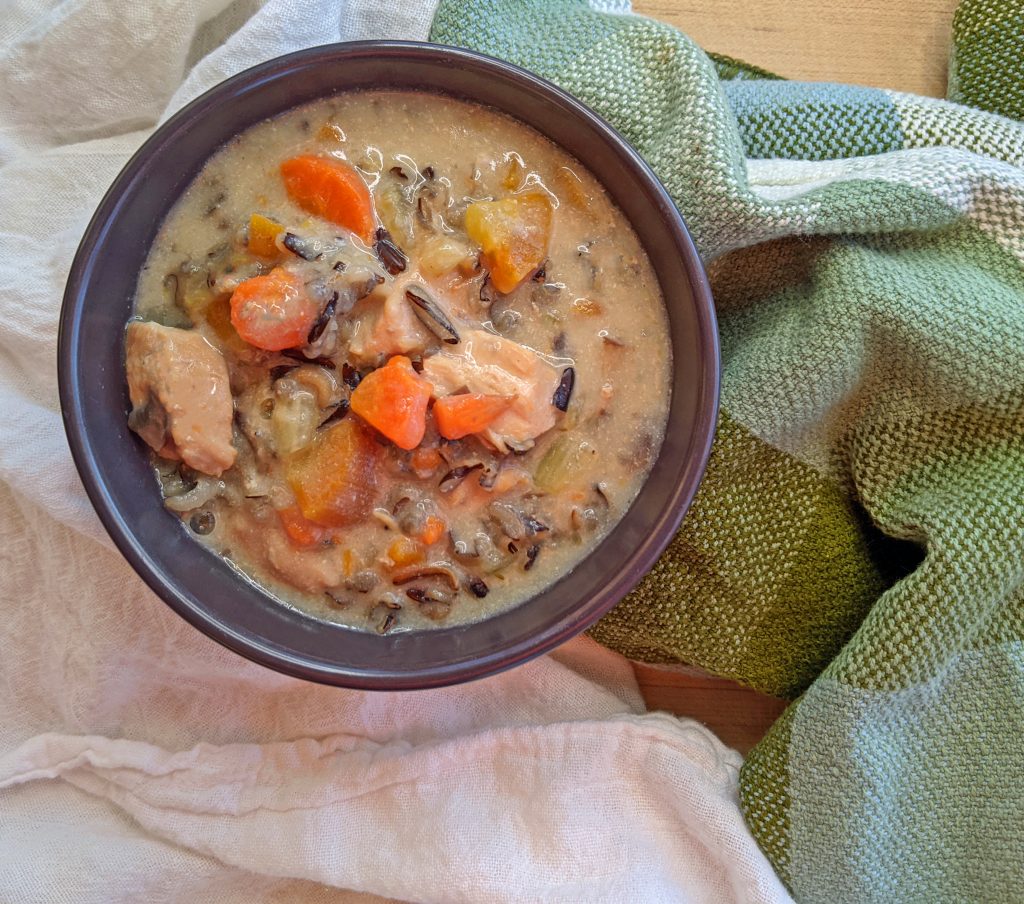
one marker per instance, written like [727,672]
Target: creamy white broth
[595,307]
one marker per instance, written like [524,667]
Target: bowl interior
[208,591]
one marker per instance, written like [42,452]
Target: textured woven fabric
[858,541]
[984,67]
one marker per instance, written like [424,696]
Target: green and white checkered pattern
[858,542]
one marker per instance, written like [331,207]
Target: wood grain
[900,44]
[738,715]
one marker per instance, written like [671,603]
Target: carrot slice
[393,398]
[432,531]
[273,311]
[300,530]
[331,189]
[468,412]
[335,478]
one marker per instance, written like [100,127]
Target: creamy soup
[400,360]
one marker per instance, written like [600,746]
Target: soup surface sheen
[400,358]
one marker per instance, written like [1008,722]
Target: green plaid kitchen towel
[858,542]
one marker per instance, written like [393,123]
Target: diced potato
[443,255]
[513,234]
[334,479]
[395,212]
[294,421]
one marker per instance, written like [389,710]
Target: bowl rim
[630,571]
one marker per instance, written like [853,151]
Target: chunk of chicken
[489,364]
[181,400]
[390,328]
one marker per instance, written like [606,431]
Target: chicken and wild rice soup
[400,360]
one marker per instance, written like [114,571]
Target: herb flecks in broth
[401,358]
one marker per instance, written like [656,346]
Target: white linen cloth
[140,761]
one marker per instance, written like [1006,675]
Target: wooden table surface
[901,44]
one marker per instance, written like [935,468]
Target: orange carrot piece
[404,551]
[393,398]
[433,530]
[425,461]
[273,311]
[300,531]
[334,478]
[468,412]
[331,189]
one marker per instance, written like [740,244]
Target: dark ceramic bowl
[116,470]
